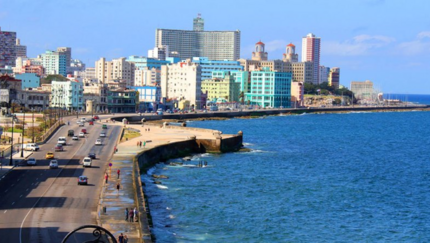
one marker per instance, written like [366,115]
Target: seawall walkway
[112,205]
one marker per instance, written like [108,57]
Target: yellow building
[222,85]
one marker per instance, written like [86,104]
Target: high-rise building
[147,77]
[185,44]
[144,62]
[324,72]
[54,62]
[160,53]
[68,52]
[198,23]
[311,47]
[182,81]
[21,51]
[334,77]
[7,48]
[290,54]
[117,69]
[259,54]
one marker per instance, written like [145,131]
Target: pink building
[311,47]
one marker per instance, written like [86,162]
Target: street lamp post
[22,134]
[11,143]
[32,128]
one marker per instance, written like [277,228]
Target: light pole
[32,125]
[22,134]
[11,143]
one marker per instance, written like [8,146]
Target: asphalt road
[39,204]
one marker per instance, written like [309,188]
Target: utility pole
[32,128]
[11,143]
[22,134]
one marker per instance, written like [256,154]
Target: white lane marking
[20,196]
[32,183]
[6,190]
[12,185]
[26,189]
[13,203]
[5,211]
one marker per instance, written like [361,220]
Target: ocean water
[357,177]
[416,98]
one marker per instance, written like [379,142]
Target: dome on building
[259,43]
[291,44]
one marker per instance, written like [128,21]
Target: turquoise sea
[357,177]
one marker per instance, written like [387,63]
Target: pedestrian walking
[118,172]
[144,143]
[121,238]
[130,215]
[118,186]
[135,215]
[137,143]
[140,143]
[126,214]
[106,178]
[125,239]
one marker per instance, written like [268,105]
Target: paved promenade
[117,201]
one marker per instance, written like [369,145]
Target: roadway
[39,204]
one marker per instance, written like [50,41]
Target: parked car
[98,141]
[58,147]
[81,135]
[31,147]
[86,162]
[75,137]
[82,180]
[49,155]
[53,164]
[92,155]
[31,161]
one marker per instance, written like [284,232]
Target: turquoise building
[28,80]
[209,65]
[144,62]
[270,89]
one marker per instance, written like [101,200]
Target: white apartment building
[67,95]
[182,81]
[147,77]
[117,69]
[324,72]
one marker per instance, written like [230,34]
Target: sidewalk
[116,202]
[17,160]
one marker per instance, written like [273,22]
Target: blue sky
[385,41]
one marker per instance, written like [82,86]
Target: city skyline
[385,42]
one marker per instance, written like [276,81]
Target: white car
[81,124]
[53,164]
[62,140]
[81,135]
[98,141]
[103,134]
[75,137]
[31,161]
[87,161]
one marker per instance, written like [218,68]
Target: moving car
[87,161]
[82,180]
[53,164]
[104,126]
[83,119]
[31,147]
[62,140]
[70,133]
[96,117]
[81,124]
[49,155]
[92,155]
[81,134]
[91,123]
[31,161]
[58,147]
[75,137]
[98,141]
[103,134]
[84,130]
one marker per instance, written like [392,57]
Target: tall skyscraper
[198,23]
[311,47]
[7,48]
[67,51]
[21,51]
[54,62]
[215,45]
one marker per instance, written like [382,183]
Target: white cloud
[420,45]
[357,46]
